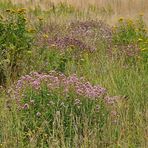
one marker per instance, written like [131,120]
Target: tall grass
[125,8]
[69,79]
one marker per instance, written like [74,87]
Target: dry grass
[124,8]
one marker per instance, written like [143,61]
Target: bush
[131,38]
[15,42]
[128,31]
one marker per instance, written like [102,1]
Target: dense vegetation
[75,82]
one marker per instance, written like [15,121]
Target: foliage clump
[131,37]
[15,42]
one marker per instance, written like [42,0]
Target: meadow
[74,74]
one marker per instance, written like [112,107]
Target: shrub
[15,42]
[131,38]
[128,31]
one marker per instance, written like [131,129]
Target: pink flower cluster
[112,100]
[55,80]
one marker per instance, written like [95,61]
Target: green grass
[57,119]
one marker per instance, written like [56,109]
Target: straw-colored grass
[125,8]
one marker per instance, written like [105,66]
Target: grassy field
[74,74]
[111,10]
